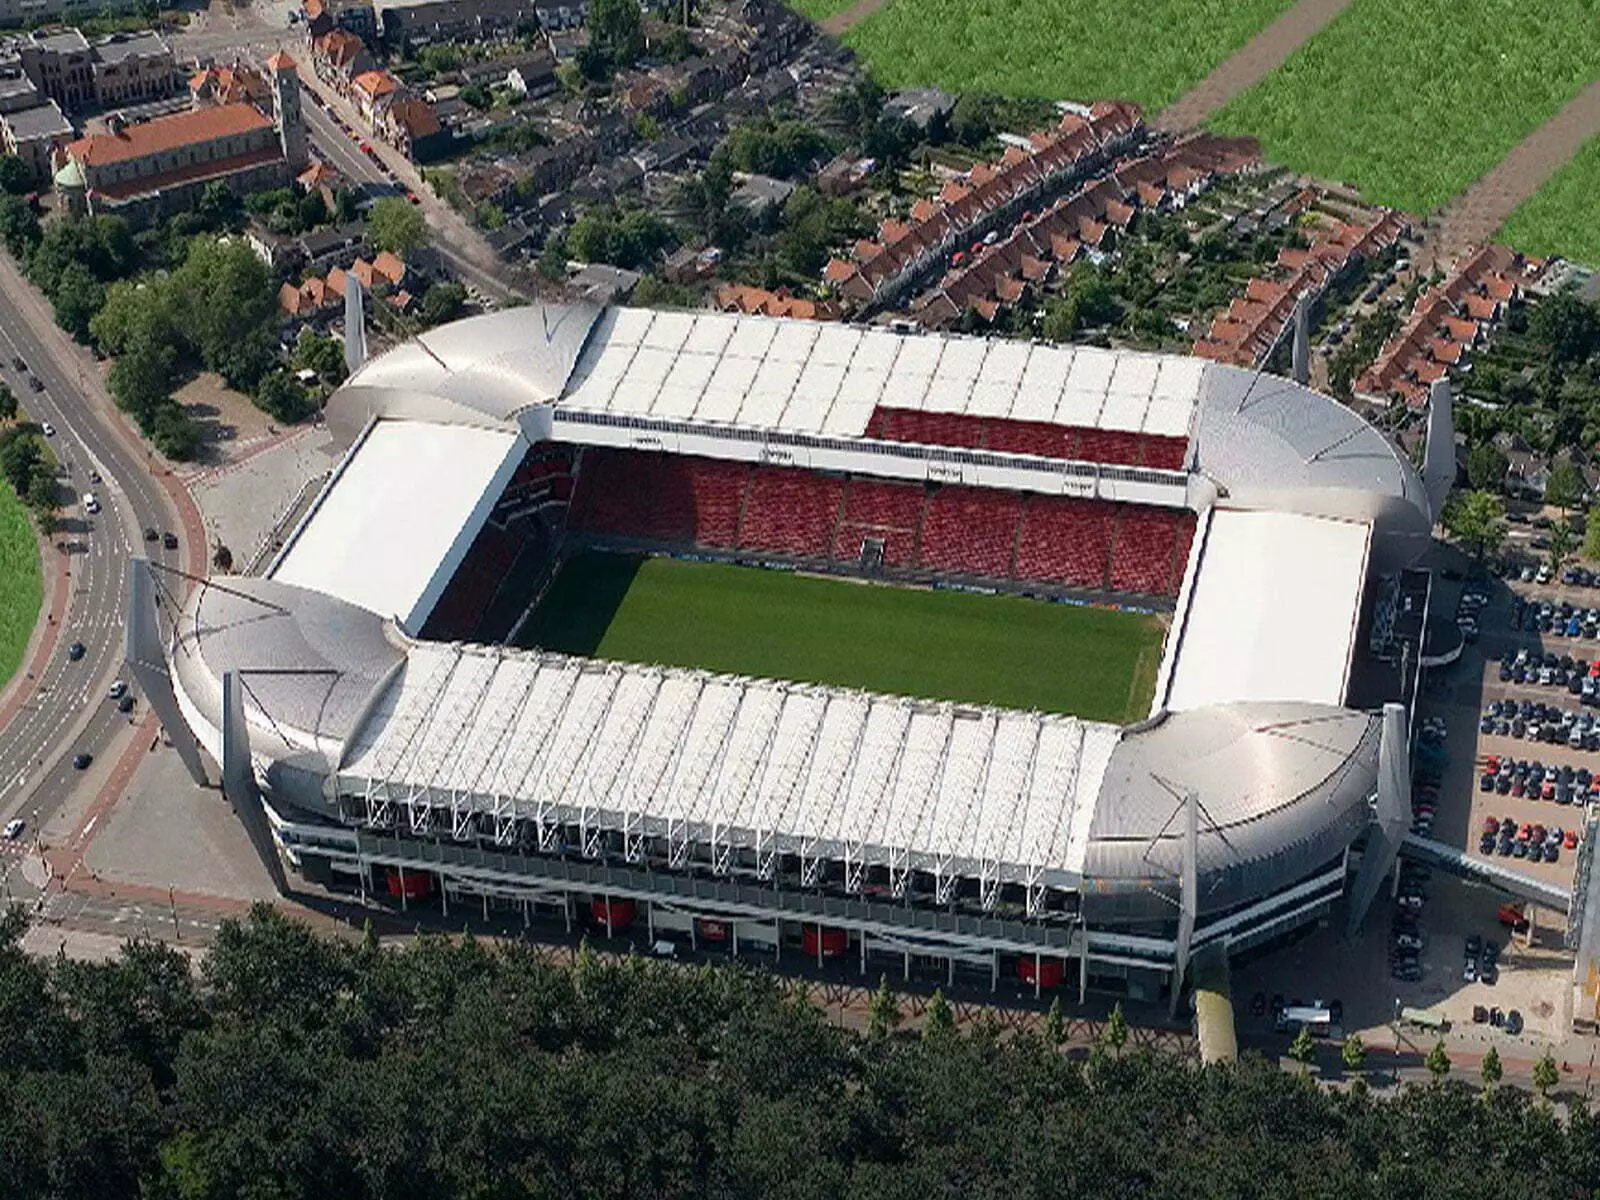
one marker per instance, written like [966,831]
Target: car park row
[1536,721]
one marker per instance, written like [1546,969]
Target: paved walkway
[54,576]
[1474,216]
[1250,64]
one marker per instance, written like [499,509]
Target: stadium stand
[790,511]
[948,529]
[970,531]
[1065,540]
[1146,549]
[1045,439]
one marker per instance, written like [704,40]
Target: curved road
[68,711]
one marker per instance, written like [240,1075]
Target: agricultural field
[1411,100]
[20,588]
[1562,217]
[1094,663]
[1151,52]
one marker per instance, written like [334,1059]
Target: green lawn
[1148,51]
[1094,663]
[819,10]
[1412,100]
[1562,217]
[20,590]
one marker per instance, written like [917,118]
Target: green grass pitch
[21,591]
[1099,664]
[1412,100]
[1562,217]
[1150,52]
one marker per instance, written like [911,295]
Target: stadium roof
[765,373]
[750,764]
[393,525]
[1273,614]
[823,378]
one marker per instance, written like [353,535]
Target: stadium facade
[376,726]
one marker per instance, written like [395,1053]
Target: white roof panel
[669,331]
[794,341]
[1180,378]
[1123,412]
[1273,611]
[1135,375]
[836,344]
[1168,418]
[394,523]
[751,338]
[710,334]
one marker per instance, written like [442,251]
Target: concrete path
[1250,64]
[1474,216]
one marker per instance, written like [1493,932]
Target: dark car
[81,761]
[169,540]
[151,534]
[125,705]
[75,651]
[1258,1005]
[1513,1022]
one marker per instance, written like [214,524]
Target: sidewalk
[55,575]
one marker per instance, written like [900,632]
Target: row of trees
[27,463]
[1353,1055]
[296,1066]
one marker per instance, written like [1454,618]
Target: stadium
[977,658]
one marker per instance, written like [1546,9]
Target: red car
[414,198]
[1572,839]
[1491,825]
[1525,832]
[1549,792]
[1492,764]
[1537,837]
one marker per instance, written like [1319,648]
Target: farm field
[1411,101]
[21,591]
[1095,663]
[1151,52]
[1562,216]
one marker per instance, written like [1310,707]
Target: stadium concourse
[377,722]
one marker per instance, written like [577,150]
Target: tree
[1354,1053]
[396,225]
[1591,535]
[16,177]
[1303,1050]
[1115,1033]
[1545,1075]
[1477,520]
[1563,541]
[44,496]
[8,403]
[617,29]
[1438,1061]
[20,455]
[883,1011]
[1491,1070]
[1568,325]
[1055,1024]
[78,296]
[938,1018]
[443,302]
[281,396]
[19,228]
[1486,467]
[1565,487]
[324,355]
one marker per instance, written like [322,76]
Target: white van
[91,503]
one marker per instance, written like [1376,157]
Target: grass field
[1017,653]
[1562,217]
[1412,100]
[1151,51]
[21,591]
[819,10]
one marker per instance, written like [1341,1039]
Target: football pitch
[1099,664]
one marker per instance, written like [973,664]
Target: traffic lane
[106,451]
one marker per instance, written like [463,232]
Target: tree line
[293,1065]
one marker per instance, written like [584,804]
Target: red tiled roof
[215,169]
[281,62]
[376,83]
[168,133]
[837,270]
[390,266]
[415,116]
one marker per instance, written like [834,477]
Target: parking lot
[1539,787]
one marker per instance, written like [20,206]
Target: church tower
[286,109]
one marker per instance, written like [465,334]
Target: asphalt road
[70,713]
[343,152]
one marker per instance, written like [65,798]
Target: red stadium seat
[791,511]
[889,511]
[970,531]
[1065,540]
[1146,549]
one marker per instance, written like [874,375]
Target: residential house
[529,75]
[339,57]
[353,16]
[230,84]
[414,22]
[372,92]
[686,265]
[410,125]
[761,194]
[754,301]
[32,135]
[600,284]
[323,179]
[339,247]
[569,14]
